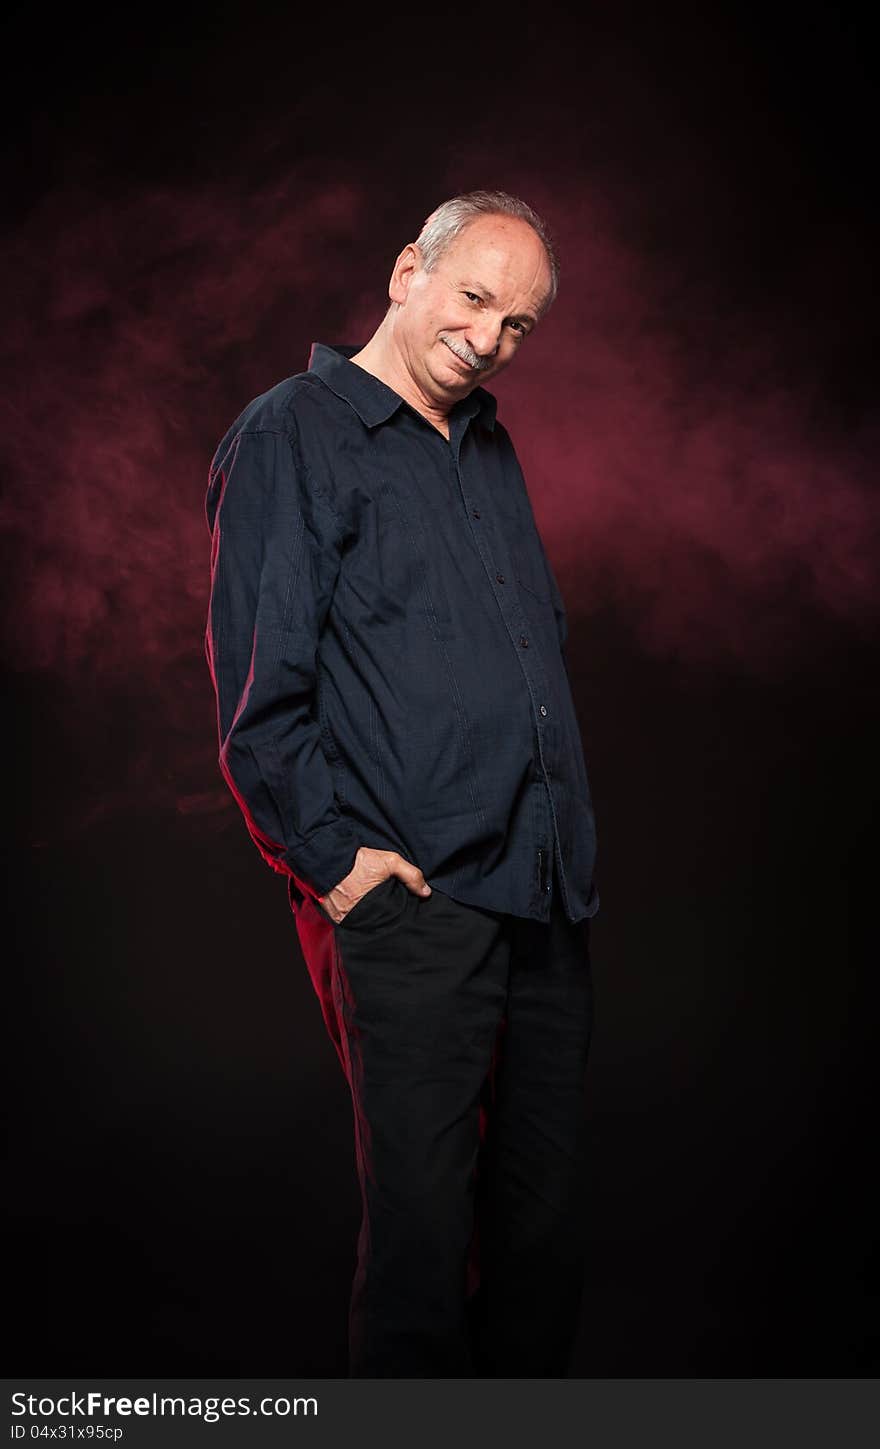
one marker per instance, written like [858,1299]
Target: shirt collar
[375,402]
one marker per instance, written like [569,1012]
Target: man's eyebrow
[490,297]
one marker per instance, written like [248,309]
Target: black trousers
[464,1035]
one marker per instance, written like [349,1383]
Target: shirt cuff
[324,859]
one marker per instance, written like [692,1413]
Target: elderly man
[385,637]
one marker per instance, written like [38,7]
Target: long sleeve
[275,559]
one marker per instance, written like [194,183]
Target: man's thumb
[421,885]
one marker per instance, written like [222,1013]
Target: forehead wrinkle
[541,264]
[535,289]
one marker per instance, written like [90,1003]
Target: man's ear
[407,265]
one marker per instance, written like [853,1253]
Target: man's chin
[455,384]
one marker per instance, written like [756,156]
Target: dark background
[191,200]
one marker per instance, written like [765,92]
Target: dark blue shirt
[385,636]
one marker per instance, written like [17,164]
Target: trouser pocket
[381,905]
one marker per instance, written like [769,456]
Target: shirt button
[543,709]
[523,641]
[500,578]
[476,513]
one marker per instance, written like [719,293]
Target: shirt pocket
[524,550]
[528,565]
[410,571]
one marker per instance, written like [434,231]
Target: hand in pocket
[370,869]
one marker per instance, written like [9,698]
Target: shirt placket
[490,545]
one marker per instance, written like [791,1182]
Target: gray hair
[451,217]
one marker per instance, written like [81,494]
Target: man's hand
[370,868]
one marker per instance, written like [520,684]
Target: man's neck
[381,358]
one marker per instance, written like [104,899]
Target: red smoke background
[685,467]
[187,210]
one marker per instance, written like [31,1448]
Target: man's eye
[473,297]
[519,327]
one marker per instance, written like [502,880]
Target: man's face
[462,323]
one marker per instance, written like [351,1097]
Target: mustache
[461,349]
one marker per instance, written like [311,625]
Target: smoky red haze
[680,464]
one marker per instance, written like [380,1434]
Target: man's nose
[483,336]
